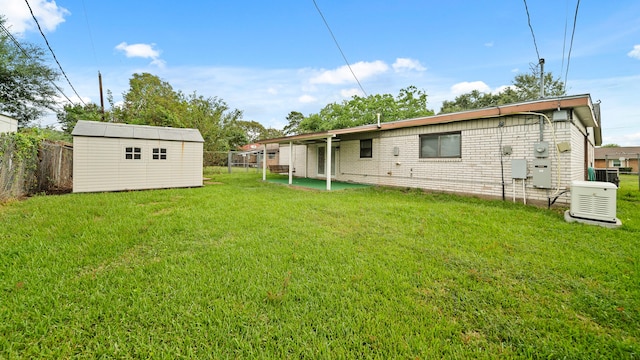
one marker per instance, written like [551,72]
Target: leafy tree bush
[27,87]
[409,103]
[524,87]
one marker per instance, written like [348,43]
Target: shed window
[159,154]
[366,148]
[440,145]
[133,153]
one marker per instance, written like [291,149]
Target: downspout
[541,97]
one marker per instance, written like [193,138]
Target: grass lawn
[241,268]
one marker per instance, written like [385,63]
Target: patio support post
[264,162]
[290,162]
[327,168]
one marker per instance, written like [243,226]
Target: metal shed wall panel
[99,164]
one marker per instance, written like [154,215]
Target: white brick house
[531,150]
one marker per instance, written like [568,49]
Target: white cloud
[145,51]
[138,50]
[515,70]
[306,99]
[489,44]
[19,18]
[349,93]
[502,88]
[465,87]
[403,64]
[635,53]
[343,75]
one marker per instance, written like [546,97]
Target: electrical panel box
[541,149]
[593,200]
[519,169]
[541,174]
[564,146]
[560,115]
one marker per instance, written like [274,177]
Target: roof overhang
[581,105]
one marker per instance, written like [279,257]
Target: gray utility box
[519,169]
[541,174]
[541,149]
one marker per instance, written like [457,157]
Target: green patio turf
[316,184]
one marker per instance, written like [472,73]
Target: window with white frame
[446,145]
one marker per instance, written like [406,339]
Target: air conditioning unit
[593,200]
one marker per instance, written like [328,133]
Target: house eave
[581,105]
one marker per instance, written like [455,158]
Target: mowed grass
[245,269]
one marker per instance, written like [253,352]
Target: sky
[268,58]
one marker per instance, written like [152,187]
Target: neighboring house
[502,151]
[8,124]
[617,157]
[252,154]
[114,157]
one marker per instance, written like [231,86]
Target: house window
[159,154]
[366,148]
[440,145]
[133,153]
[615,163]
[271,155]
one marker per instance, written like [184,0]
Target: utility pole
[101,98]
[541,78]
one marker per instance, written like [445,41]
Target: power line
[84,7]
[338,45]
[17,43]
[564,42]
[52,53]
[530,27]
[573,32]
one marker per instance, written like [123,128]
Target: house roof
[617,152]
[583,108]
[128,131]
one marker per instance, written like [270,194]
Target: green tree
[26,83]
[409,103]
[215,120]
[152,101]
[524,87]
[252,129]
[271,133]
[293,127]
[610,146]
[70,115]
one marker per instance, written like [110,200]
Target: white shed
[115,157]
[8,124]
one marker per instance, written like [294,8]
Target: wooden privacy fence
[49,170]
[55,167]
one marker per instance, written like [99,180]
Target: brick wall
[478,171]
